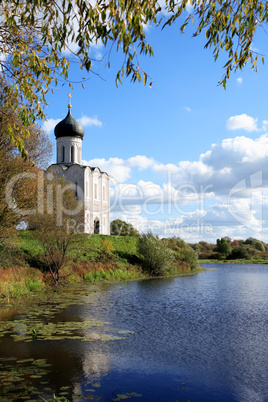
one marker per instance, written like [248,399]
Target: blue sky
[188,158]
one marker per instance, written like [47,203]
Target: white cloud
[242,122]
[115,167]
[239,80]
[165,169]
[219,194]
[121,169]
[188,109]
[3,57]
[49,125]
[89,121]
[140,161]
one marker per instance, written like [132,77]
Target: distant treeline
[226,248]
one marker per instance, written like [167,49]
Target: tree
[35,34]
[122,228]
[54,227]
[156,256]
[223,247]
[257,244]
[18,177]
[228,239]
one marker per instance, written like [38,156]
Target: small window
[63,154]
[76,189]
[72,154]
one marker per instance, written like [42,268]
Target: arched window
[76,188]
[63,154]
[72,154]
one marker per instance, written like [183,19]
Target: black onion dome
[69,127]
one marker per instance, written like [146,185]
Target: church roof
[69,127]
[66,167]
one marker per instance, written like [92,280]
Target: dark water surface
[199,338]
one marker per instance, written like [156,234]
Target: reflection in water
[200,338]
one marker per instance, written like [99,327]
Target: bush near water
[250,250]
[23,266]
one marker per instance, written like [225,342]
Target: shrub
[183,251]
[223,247]
[122,228]
[156,256]
[213,255]
[106,246]
[242,252]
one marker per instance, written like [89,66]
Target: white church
[90,183]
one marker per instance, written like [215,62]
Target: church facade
[91,185]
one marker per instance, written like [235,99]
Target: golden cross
[70,96]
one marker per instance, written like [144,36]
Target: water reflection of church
[91,184]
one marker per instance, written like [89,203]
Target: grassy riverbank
[91,258]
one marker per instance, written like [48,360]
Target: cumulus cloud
[120,169]
[239,80]
[165,169]
[115,167]
[225,165]
[221,193]
[49,125]
[242,122]
[140,161]
[89,121]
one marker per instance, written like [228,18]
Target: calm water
[200,338]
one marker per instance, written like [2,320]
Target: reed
[19,280]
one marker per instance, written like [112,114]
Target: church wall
[92,190]
[96,204]
[67,143]
[91,186]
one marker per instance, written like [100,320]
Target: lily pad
[127,395]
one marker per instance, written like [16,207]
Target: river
[196,338]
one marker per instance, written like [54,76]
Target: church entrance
[96,226]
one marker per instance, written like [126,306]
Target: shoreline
[238,261]
[90,259]
[22,289]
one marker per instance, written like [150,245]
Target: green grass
[19,280]
[117,274]
[91,258]
[89,248]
